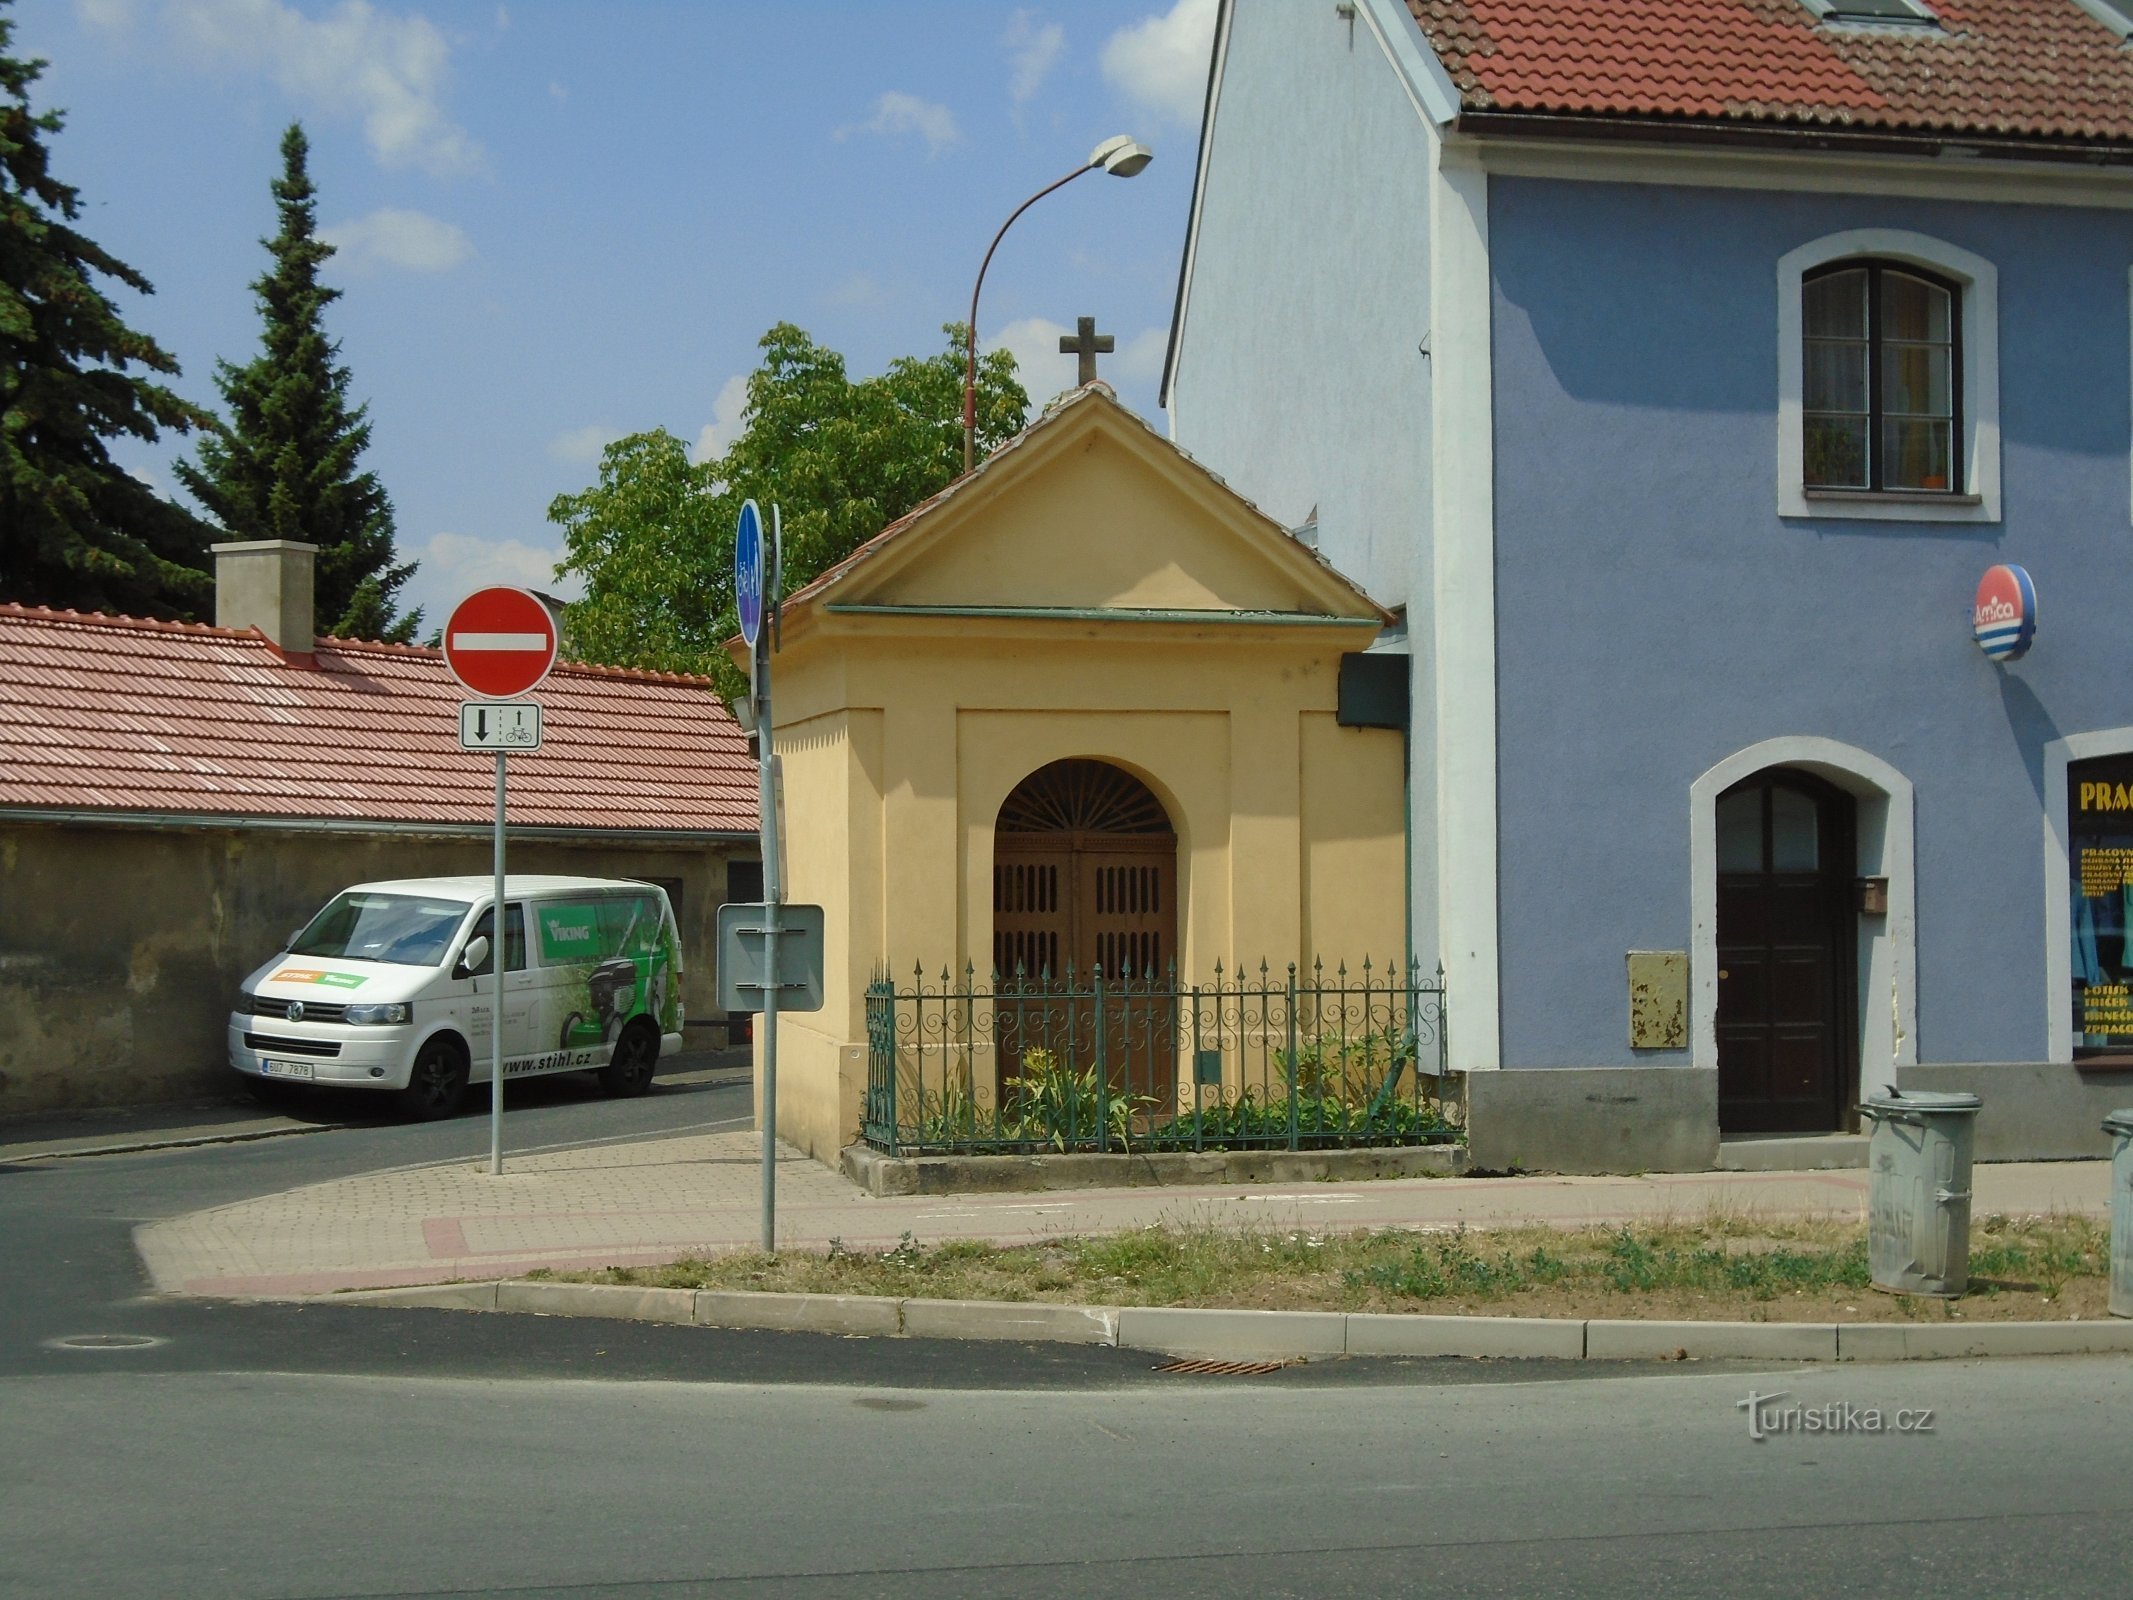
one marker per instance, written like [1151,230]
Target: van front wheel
[629,1072]
[438,1082]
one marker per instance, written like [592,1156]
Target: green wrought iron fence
[1287,1060]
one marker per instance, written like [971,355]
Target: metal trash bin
[1918,1193]
[2119,1125]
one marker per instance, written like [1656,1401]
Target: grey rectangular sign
[743,935]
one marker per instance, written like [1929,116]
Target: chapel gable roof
[174,719]
[2046,70]
[1194,546]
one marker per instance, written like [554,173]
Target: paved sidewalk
[652,1200]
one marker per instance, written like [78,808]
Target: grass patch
[1727,1265]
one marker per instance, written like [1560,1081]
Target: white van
[392,987]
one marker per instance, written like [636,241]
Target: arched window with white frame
[1888,365]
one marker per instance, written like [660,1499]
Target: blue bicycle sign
[748,571]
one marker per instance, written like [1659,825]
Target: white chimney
[267,584]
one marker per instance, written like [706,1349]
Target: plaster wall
[122,947]
[1657,615]
[1309,301]
[1307,346]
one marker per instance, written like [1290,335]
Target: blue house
[1683,368]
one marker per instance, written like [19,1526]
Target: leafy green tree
[653,538]
[75,529]
[287,466]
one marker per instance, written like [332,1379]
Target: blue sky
[561,221]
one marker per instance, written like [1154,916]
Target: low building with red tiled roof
[1720,386]
[174,797]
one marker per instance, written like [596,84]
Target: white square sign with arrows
[499,725]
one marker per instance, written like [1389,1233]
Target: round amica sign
[2003,618]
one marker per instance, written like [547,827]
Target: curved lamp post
[1122,158]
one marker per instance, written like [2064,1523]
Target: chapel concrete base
[1792,1152]
[1593,1119]
[885,1175]
[2033,1110]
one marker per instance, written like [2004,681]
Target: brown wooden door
[1085,880]
[1787,932]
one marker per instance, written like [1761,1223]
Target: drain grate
[1222,1369]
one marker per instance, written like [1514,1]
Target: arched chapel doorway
[1788,1016]
[1085,880]
[1085,874]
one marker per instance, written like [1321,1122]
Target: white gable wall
[1313,221]
[1304,370]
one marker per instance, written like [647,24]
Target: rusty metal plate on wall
[1658,999]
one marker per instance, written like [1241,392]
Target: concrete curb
[58,1151]
[1267,1335]
[885,1176]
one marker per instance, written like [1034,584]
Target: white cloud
[898,113]
[393,238]
[859,290]
[1162,61]
[581,447]
[113,16]
[728,412]
[557,92]
[1032,51]
[389,69]
[454,565]
[1034,342]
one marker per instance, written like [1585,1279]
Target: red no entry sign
[500,642]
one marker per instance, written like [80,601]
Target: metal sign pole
[496,1006]
[773,898]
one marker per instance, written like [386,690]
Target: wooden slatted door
[1127,918]
[1031,929]
[1085,876]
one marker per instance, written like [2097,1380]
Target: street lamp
[1122,158]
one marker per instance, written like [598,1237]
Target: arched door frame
[1888,954]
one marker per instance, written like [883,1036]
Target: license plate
[284,1069]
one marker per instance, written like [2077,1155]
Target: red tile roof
[2017,69]
[116,714]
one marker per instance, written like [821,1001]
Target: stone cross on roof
[1088,344]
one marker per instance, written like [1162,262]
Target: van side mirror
[476,952]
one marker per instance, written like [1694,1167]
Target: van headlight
[398,1011]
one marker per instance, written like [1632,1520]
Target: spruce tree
[76,530]
[286,468]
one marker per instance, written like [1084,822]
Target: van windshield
[408,930]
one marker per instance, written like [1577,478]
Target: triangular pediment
[1090,510]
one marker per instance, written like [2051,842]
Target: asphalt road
[323,1451]
[228,1485]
